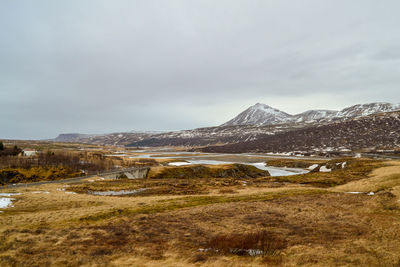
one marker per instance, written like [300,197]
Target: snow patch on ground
[179,163]
[9,194]
[312,167]
[277,171]
[260,165]
[366,193]
[209,162]
[66,192]
[116,193]
[5,201]
[324,169]
[274,171]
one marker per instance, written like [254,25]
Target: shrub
[258,243]
[233,171]
[6,151]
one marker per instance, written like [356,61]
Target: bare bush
[254,244]
[74,161]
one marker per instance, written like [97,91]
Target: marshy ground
[304,220]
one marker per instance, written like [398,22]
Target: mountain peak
[262,114]
[262,106]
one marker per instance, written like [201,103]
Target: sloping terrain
[103,139]
[380,131]
[265,221]
[261,114]
[314,116]
[257,122]
[215,135]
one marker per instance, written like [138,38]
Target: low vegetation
[354,169]
[34,174]
[257,243]
[294,228]
[60,164]
[49,166]
[294,163]
[9,151]
[194,172]
[228,215]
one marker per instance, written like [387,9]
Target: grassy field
[302,220]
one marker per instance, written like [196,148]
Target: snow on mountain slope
[214,135]
[256,122]
[260,114]
[366,109]
[313,115]
[372,132]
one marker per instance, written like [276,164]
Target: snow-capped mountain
[313,115]
[366,109]
[372,132]
[255,123]
[261,114]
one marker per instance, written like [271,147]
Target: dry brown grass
[301,225]
[356,169]
[293,163]
[340,232]
[257,243]
[219,171]
[186,182]
[379,179]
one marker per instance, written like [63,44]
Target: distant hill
[376,131]
[263,128]
[262,114]
[103,139]
[71,137]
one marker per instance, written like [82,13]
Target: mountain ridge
[231,134]
[371,132]
[262,114]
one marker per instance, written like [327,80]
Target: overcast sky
[108,66]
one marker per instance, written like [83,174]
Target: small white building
[29,152]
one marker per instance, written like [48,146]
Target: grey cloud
[129,65]
[391,53]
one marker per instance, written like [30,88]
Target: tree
[1,146]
